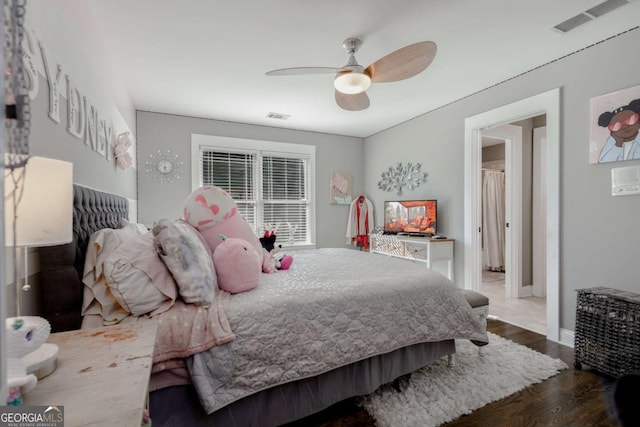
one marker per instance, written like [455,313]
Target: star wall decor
[164,166]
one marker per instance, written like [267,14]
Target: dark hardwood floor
[571,398]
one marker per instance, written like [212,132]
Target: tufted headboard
[62,266]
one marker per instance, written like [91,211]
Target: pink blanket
[186,329]
[183,330]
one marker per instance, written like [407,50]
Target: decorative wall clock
[164,166]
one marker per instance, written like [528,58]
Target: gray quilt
[332,308]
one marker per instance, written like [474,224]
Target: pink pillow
[238,265]
[212,211]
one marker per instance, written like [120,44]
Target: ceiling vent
[572,23]
[606,7]
[278,116]
[586,16]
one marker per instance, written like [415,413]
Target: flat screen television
[412,217]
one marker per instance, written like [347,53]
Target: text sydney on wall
[84,121]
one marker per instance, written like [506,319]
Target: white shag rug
[441,393]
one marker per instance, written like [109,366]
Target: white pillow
[98,298]
[138,279]
[140,228]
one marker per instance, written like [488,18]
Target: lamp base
[42,361]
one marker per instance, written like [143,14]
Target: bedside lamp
[38,212]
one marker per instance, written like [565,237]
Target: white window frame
[222,143]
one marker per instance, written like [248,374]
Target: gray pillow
[188,258]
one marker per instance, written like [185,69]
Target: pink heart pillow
[212,211]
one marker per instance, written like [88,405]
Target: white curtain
[493,222]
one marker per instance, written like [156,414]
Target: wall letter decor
[54,86]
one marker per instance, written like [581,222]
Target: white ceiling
[206,58]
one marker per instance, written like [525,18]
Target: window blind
[285,196]
[235,173]
[271,189]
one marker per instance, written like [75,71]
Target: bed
[303,340]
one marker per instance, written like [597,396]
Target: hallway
[529,313]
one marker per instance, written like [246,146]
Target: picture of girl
[614,126]
[623,124]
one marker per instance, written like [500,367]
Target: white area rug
[441,393]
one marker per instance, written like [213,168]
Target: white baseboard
[133,210]
[526,291]
[567,337]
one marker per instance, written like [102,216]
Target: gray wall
[492,152]
[65,32]
[599,234]
[51,139]
[79,57]
[157,131]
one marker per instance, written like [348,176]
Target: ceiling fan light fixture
[352,83]
[352,79]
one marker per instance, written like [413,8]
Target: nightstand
[102,376]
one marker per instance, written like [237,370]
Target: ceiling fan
[352,80]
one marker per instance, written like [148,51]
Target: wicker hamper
[607,332]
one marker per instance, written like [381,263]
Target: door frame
[539,288]
[512,137]
[544,103]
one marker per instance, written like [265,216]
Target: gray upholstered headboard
[61,267]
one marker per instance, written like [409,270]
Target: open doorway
[511,217]
[547,103]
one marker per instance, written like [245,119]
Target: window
[270,182]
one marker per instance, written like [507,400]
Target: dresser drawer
[416,250]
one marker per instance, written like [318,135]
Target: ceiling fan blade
[357,102]
[402,63]
[305,70]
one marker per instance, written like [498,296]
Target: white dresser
[437,254]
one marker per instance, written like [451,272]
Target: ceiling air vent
[605,7]
[572,23]
[278,116]
[586,16]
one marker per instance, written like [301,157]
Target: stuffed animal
[238,265]
[280,261]
[25,334]
[269,262]
[213,212]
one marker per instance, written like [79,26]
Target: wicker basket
[607,333]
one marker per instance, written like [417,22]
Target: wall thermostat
[625,181]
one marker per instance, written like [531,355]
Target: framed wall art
[614,124]
[340,188]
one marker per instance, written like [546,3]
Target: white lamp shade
[352,83]
[45,208]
